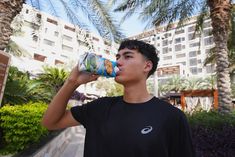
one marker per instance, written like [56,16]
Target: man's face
[132,65]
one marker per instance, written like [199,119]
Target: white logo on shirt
[146,130]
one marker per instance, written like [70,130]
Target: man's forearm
[57,107]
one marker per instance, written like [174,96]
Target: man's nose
[119,62]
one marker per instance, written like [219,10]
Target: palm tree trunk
[8,10]
[220,13]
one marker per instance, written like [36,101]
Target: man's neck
[136,93]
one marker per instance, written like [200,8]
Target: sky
[130,27]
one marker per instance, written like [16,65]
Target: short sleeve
[93,112]
[84,113]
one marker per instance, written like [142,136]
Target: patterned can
[93,63]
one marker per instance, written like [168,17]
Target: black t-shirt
[115,128]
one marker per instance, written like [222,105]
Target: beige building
[181,48]
[54,42]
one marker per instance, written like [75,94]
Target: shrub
[213,134]
[21,126]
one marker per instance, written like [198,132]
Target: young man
[136,124]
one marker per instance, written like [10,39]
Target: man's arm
[56,116]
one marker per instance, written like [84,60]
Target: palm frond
[16,50]
[104,20]
[95,11]
[157,12]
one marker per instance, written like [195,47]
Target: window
[31,25]
[179,31]
[164,42]
[193,70]
[178,47]
[207,32]
[96,39]
[207,51]
[165,35]
[207,24]
[177,40]
[165,50]
[193,62]
[167,57]
[52,21]
[193,36]
[192,53]
[194,44]
[210,69]
[191,28]
[199,70]
[58,62]
[183,63]
[82,43]
[49,42]
[107,43]
[199,61]
[27,11]
[180,55]
[35,38]
[39,57]
[69,28]
[64,56]
[208,41]
[68,38]
[67,48]
[39,16]
[56,34]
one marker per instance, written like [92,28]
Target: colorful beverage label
[93,63]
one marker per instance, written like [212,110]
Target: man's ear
[148,66]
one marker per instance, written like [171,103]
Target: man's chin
[118,80]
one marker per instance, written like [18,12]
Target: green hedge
[212,119]
[213,134]
[21,125]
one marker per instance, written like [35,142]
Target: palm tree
[19,88]
[211,56]
[159,12]
[12,47]
[50,81]
[174,84]
[94,9]
[194,83]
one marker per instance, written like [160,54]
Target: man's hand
[79,77]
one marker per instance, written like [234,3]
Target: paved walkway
[75,145]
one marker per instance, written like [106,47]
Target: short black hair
[147,50]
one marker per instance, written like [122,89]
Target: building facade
[50,41]
[182,51]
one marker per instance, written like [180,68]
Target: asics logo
[146,130]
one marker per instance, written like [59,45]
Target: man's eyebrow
[125,53]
